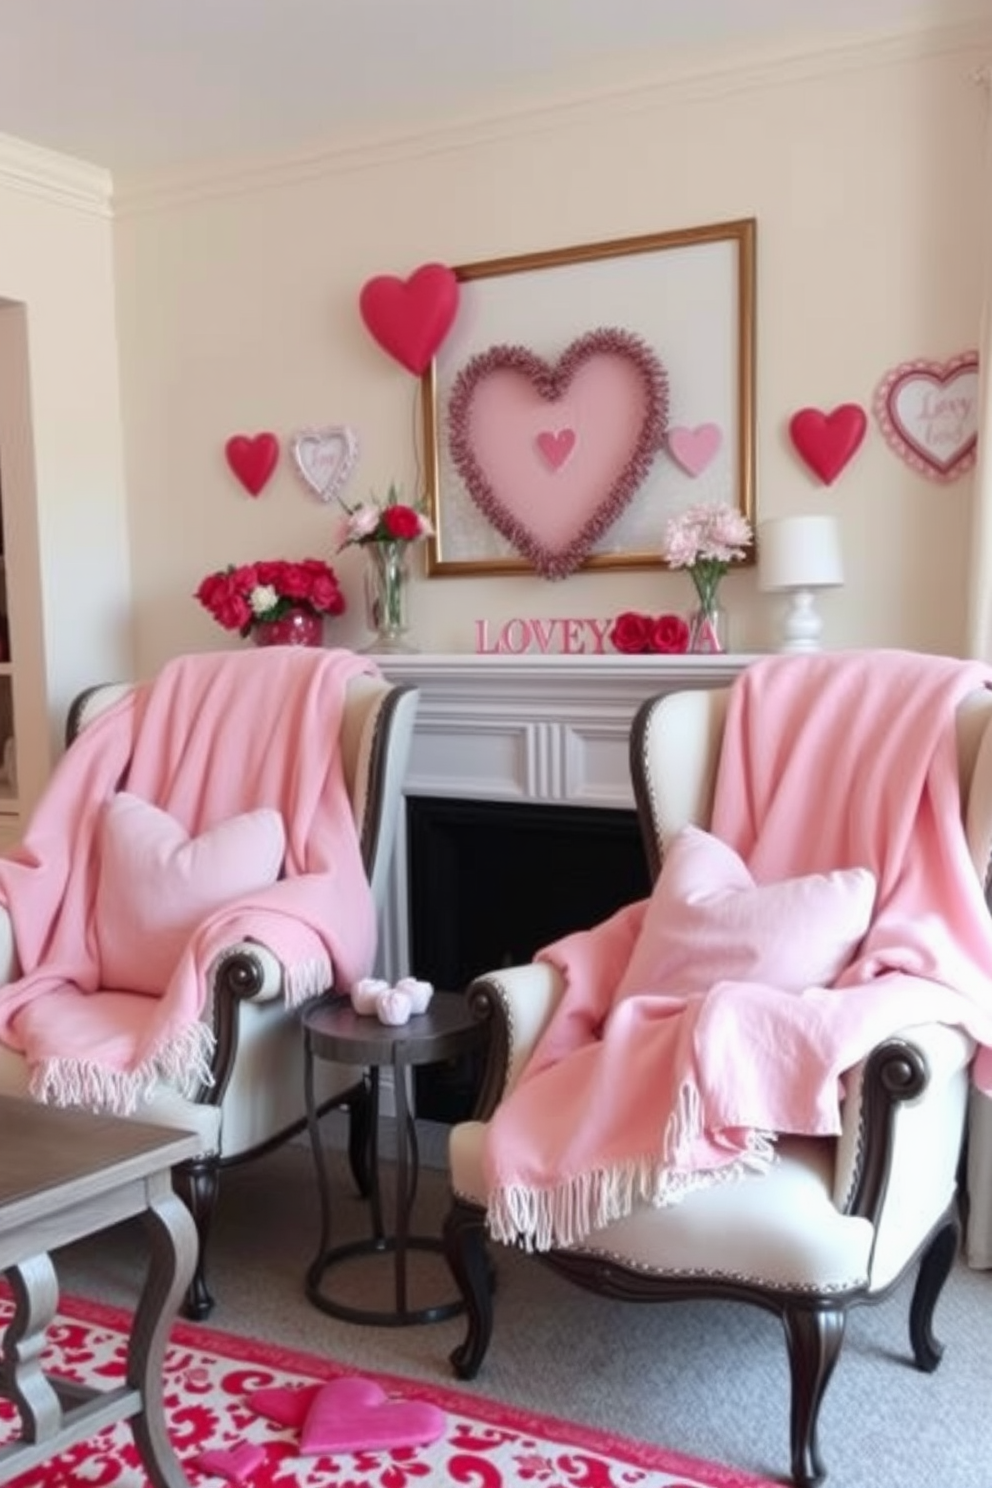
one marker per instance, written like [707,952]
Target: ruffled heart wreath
[552,454]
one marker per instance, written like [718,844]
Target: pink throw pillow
[707,921]
[156,884]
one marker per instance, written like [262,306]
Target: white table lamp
[797,556]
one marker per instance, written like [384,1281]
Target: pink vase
[295,628]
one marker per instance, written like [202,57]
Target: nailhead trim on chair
[695,1273]
[706,1273]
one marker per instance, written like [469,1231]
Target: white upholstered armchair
[254,1097]
[835,1221]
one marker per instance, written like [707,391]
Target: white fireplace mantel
[526,728]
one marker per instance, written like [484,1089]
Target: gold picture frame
[688,295]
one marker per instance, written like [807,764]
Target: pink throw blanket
[212,736]
[828,761]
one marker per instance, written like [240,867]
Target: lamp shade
[799,553]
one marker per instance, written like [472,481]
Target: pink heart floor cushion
[156,884]
[707,921]
[350,1415]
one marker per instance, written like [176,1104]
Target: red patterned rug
[222,1437]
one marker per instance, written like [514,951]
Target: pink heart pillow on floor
[356,1415]
[156,884]
[707,921]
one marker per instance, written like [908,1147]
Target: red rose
[401,522]
[293,581]
[631,633]
[221,595]
[325,594]
[670,634]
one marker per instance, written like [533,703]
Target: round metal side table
[332,1030]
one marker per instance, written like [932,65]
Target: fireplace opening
[490,883]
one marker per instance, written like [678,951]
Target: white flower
[262,598]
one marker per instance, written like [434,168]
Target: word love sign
[565,637]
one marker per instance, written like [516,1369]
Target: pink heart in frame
[325,459]
[556,446]
[928,414]
[355,1415]
[694,449]
[554,501]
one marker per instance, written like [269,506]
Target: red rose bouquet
[239,598]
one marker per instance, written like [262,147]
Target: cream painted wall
[60,445]
[237,308]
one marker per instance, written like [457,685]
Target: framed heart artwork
[584,396]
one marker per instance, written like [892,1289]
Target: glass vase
[387,593]
[296,627]
[708,629]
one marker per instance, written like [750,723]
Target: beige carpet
[703,1378]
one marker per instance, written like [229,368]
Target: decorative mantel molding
[527,728]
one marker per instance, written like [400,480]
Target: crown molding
[682,85]
[59,179]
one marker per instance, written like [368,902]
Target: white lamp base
[802,626]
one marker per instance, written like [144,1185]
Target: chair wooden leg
[814,1333]
[196,1183]
[465,1249]
[935,1267]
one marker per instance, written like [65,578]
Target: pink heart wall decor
[928,414]
[694,449]
[252,458]
[552,454]
[826,442]
[410,318]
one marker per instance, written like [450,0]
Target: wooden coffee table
[64,1175]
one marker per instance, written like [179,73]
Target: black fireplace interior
[490,883]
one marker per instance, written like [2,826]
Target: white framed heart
[325,458]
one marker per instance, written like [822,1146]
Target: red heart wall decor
[411,317]
[252,457]
[827,441]
[552,454]
[928,414]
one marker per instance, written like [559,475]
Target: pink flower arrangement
[239,598]
[390,521]
[705,540]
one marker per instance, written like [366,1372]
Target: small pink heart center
[556,447]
